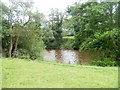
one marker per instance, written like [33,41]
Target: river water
[67,56]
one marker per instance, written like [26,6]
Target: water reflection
[66,56]
[70,57]
[58,56]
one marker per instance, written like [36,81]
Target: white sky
[44,6]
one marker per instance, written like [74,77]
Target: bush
[49,42]
[108,43]
[67,43]
[24,57]
[105,62]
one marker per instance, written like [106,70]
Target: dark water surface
[67,56]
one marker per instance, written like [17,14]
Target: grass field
[18,73]
[71,37]
[0,74]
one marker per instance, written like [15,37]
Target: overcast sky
[45,5]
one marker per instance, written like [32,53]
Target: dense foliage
[96,28]
[21,32]
[66,43]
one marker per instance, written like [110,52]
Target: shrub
[105,62]
[24,57]
[67,43]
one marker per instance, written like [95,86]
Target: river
[68,56]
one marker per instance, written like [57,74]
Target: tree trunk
[10,48]
[3,52]
[15,49]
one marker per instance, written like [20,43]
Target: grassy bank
[32,74]
[71,37]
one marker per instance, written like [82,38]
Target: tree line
[94,26]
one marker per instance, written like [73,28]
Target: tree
[15,16]
[95,27]
[56,21]
[21,25]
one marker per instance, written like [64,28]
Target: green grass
[18,73]
[0,74]
[71,37]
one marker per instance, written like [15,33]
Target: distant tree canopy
[55,24]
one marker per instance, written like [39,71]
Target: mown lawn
[71,37]
[18,73]
[0,74]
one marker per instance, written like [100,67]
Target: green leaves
[95,27]
[21,30]
[56,22]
